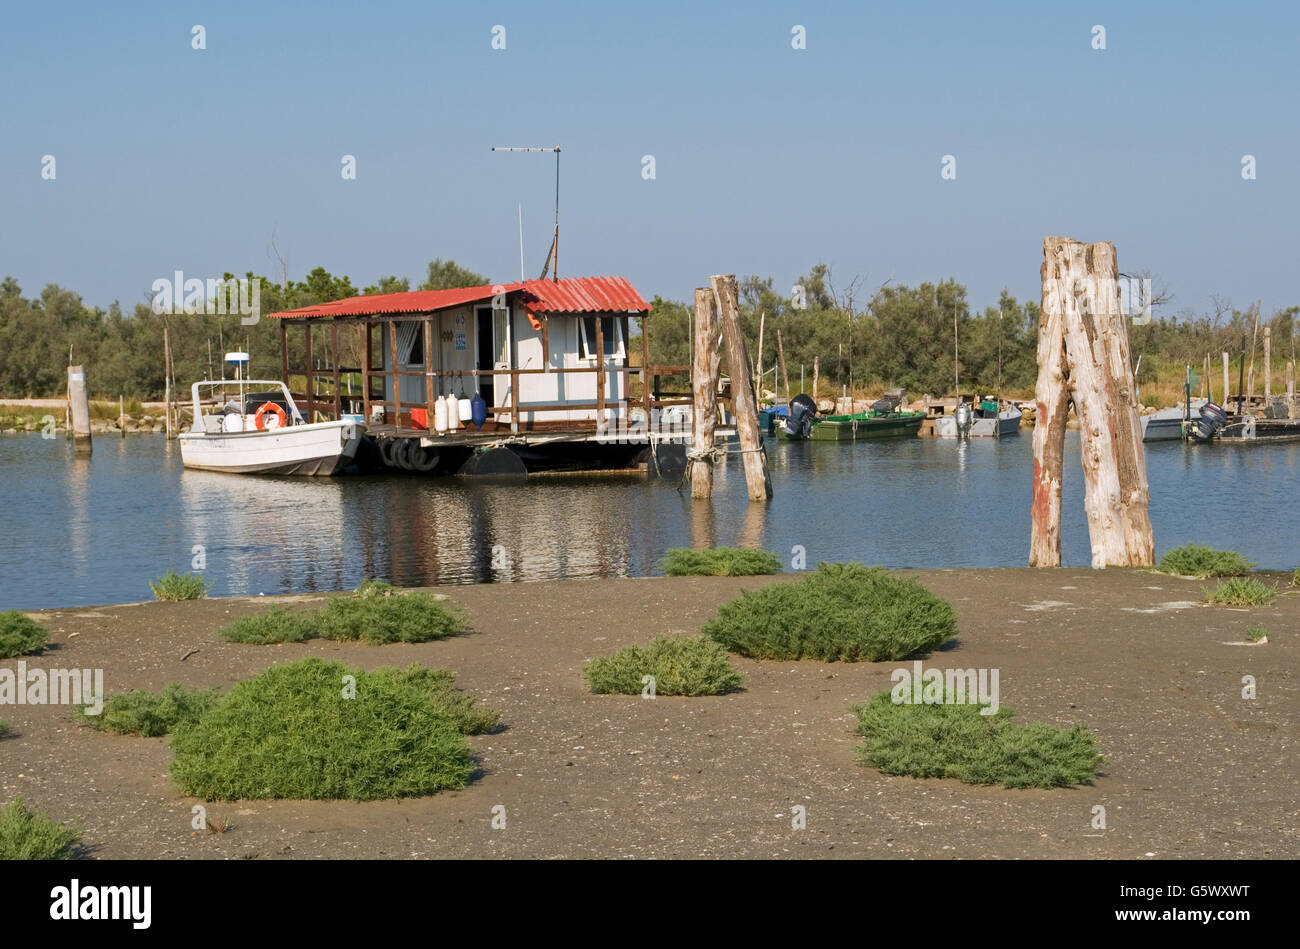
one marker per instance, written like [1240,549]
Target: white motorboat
[260,431]
[1167,424]
[985,419]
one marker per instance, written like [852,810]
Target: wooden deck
[501,434]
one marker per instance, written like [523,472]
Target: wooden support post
[743,396]
[334,359]
[1052,409]
[429,400]
[1080,285]
[704,394]
[366,358]
[167,381]
[1227,387]
[817,368]
[514,399]
[645,373]
[780,358]
[758,372]
[1290,389]
[600,374]
[284,353]
[397,392]
[1268,365]
[121,414]
[79,398]
[309,384]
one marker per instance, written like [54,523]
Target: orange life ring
[260,417]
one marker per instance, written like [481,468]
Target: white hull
[1007,423]
[319,449]
[1167,424]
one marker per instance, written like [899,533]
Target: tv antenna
[553,258]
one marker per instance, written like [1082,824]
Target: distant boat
[989,418]
[1167,424]
[262,432]
[846,428]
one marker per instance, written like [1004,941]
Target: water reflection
[85,531]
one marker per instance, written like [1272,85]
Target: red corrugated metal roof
[566,295]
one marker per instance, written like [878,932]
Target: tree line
[867,339]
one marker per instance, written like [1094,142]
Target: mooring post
[1290,388]
[704,393]
[744,398]
[817,369]
[1081,290]
[1052,407]
[79,398]
[1268,366]
[1226,385]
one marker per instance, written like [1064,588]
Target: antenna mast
[554,258]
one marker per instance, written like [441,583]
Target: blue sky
[767,159]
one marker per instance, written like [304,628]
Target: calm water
[91,531]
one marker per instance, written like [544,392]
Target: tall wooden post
[817,368]
[1290,386]
[1227,387]
[79,398]
[1052,399]
[704,393]
[745,402]
[1081,290]
[1268,365]
[780,358]
[167,380]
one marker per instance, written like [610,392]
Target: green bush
[275,625]
[957,741]
[292,732]
[461,707]
[839,612]
[1256,634]
[20,635]
[150,714]
[27,834]
[1240,592]
[1193,560]
[177,586]
[681,665]
[4,728]
[377,615]
[719,562]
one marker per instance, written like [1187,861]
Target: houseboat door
[493,354]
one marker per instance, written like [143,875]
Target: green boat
[847,428]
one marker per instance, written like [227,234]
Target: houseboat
[496,379]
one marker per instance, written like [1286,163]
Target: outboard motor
[964,418]
[803,412]
[1212,420]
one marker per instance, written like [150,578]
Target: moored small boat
[262,432]
[843,428]
[990,418]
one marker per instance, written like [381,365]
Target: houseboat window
[410,342]
[611,329]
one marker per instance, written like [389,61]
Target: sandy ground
[1193,770]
